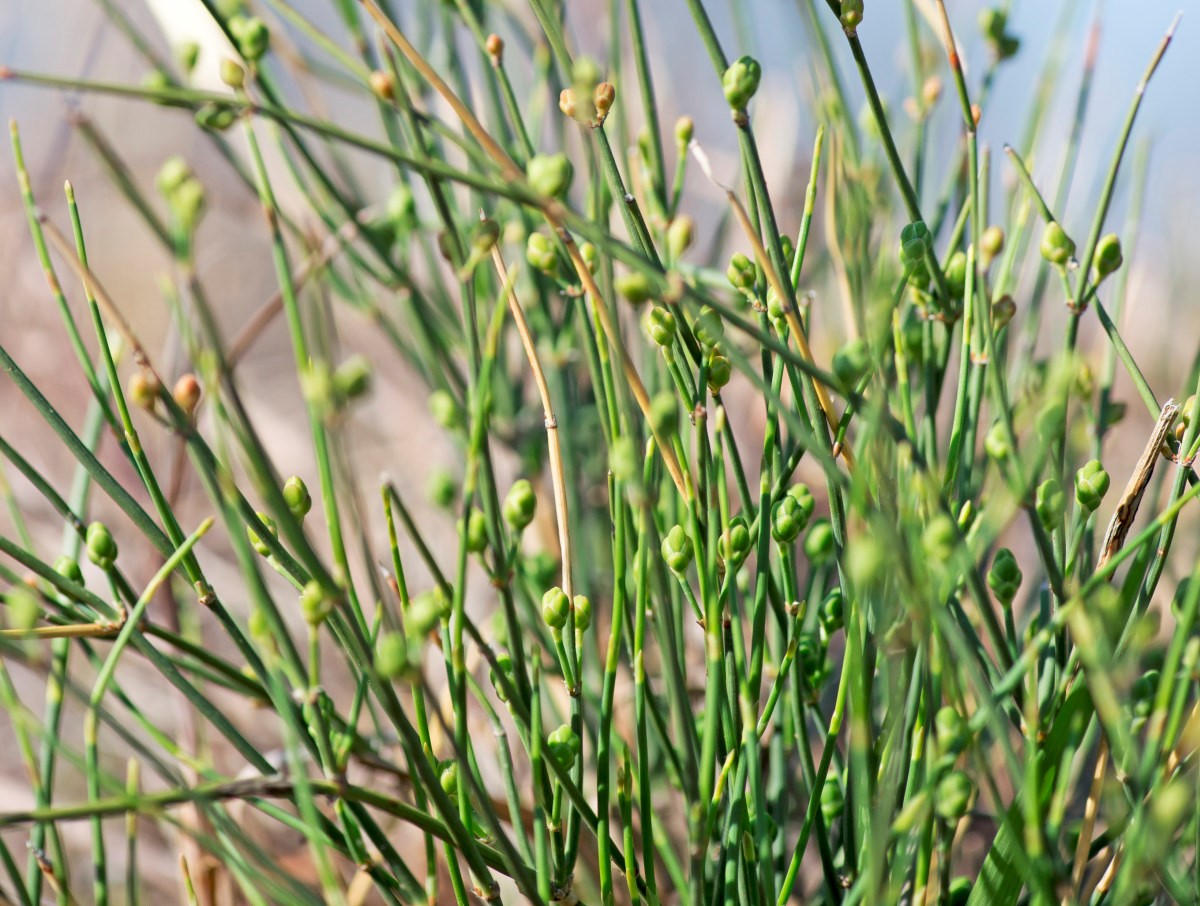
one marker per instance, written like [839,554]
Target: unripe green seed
[952,731]
[680,234]
[520,504]
[833,802]
[802,494]
[583,613]
[425,611]
[187,204]
[734,543]
[1003,310]
[391,655]
[101,547]
[442,488]
[787,248]
[953,796]
[256,541]
[215,117]
[851,362]
[352,378]
[296,496]
[555,605]
[741,272]
[915,243]
[787,520]
[549,174]
[708,328]
[315,605]
[505,662]
[956,274]
[660,325]
[251,36]
[539,252]
[634,287]
[1004,578]
[819,543]
[664,414]
[685,129]
[1051,503]
[624,460]
[171,175]
[851,15]
[591,257]
[720,370]
[1091,484]
[1108,256]
[475,534]
[563,745]
[677,549]
[445,410]
[810,653]
[740,82]
[1057,247]
[991,244]
[232,73]
[448,778]
[832,613]
[68,568]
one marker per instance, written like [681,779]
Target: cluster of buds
[588,99]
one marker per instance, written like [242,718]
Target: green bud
[352,378]
[251,36]
[915,243]
[720,370]
[442,488]
[171,175]
[1143,692]
[156,80]
[555,605]
[232,73]
[583,613]
[819,543]
[1108,256]
[401,208]
[741,272]
[635,287]
[708,328]
[1091,484]
[1004,578]
[677,549]
[912,334]
[788,248]
[563,745]
[256,541]
[425,611]
[505,662]
[775,309]
[591,257]
[734,543]
[993,22]
[832,613]
[664,413]
[315,605]
[810,653]
[685,129]
[448,778]
[22,607]
[851,362]
[995,443]
[445,410]
[187,54]
[802,494]
[660,325]
[187,204]
[143,390]
[939,539]
[851,15]
[1057,247]
[475,534]
[953,796]
[833,803]
[296,496]
[1051,503]
[740,82]
[1003,310]
[956,274]
[101,548]
[623,459]
[68,568]
[991,244]
[215,117]
[549,174]
[952,731]
[520,503]
[539,252]
[391,655]
[680,234]
[787,520]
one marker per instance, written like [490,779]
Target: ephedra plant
[786,565]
